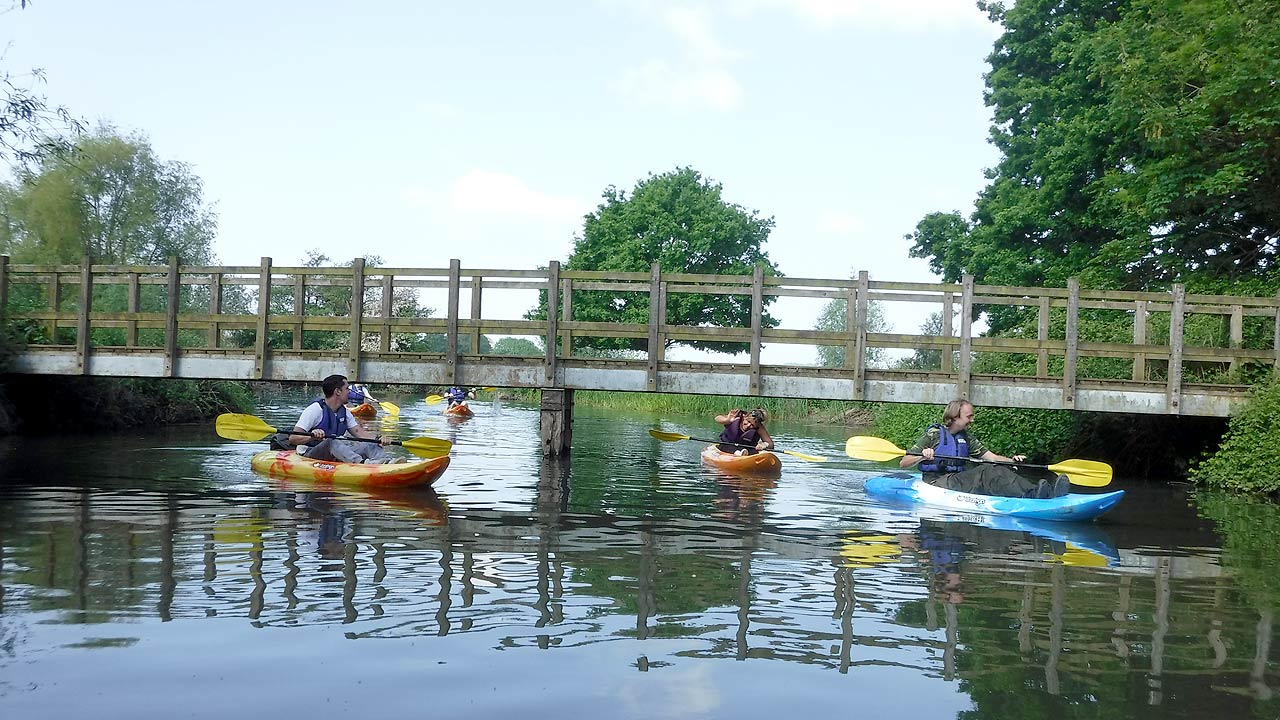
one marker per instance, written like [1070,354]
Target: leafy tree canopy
[30,128]
[1140,144]
[111,198]
[679,220]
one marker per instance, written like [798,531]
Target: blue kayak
[909,488]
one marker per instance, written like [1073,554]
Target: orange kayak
[762,463]
[364,411]
[289,464]
[461,411]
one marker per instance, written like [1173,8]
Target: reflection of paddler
[859,549]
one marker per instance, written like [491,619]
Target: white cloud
[839,223]
[659,83]
[482,191]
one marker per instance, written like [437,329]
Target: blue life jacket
[955,445]
[733,434]
[455,395]
[354,396]
[333,423]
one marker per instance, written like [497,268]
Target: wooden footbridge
[1185,355]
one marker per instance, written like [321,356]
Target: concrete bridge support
[556,421]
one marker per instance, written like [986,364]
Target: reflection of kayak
[762,463]
[905,487]
[1086,543]
[364,411]
[461,411]
[289,464]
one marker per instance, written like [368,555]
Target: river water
[154,575]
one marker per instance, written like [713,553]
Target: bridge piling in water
[556,422]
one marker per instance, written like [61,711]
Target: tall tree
[680,220]
[111,198]
[1139,141]
[834,318]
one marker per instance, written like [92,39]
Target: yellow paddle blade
[1089,473]
[865,447]
[237,426]
[433,399]
[668,436]
[427,447]
[389,408]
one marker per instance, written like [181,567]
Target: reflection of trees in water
[994,615]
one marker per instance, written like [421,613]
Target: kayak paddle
[389,408]
[1089,473]
[236,426]
[673,437]
[433,399]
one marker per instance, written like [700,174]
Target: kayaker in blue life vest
[457,396]
[744,428]
[938,450]
[319,429]
[358,394]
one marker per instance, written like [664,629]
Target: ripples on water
[154,573]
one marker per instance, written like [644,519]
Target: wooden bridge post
[657,316]
[553,310]
[215,308]
[566,315]
[477,286]
[451,340]
[1275,338]
[860,336]
[171,319]
[388,307]
[1237,334]
[966,337]
[4,286]
[1173,391]
[55,292]
[82,315]
[299,307]
[948,331]
[260,343]
[357,317]
[1140,338]
[1072,356]
[131,305]
[556,421]
[757,311]
[1042,334]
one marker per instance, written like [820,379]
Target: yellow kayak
[289,464]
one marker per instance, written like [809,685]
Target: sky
[425,131]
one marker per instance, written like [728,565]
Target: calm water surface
[155,575]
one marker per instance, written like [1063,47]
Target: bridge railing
[358,312]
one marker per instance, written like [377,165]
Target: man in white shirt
[317,432]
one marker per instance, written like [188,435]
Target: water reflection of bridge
[404,562]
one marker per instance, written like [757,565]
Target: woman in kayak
[317,432]
[457,396]
[744,429]
[940,452]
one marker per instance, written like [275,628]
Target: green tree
[112,199]
[1140,145]
[679,220]
[922,359]
[522,347]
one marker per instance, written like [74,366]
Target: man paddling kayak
[744,429]
[317,432]
[951,441]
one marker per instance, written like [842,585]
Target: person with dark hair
[943,451]
[744,428]
[323,423]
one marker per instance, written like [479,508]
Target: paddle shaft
[980,460]
[721,442]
